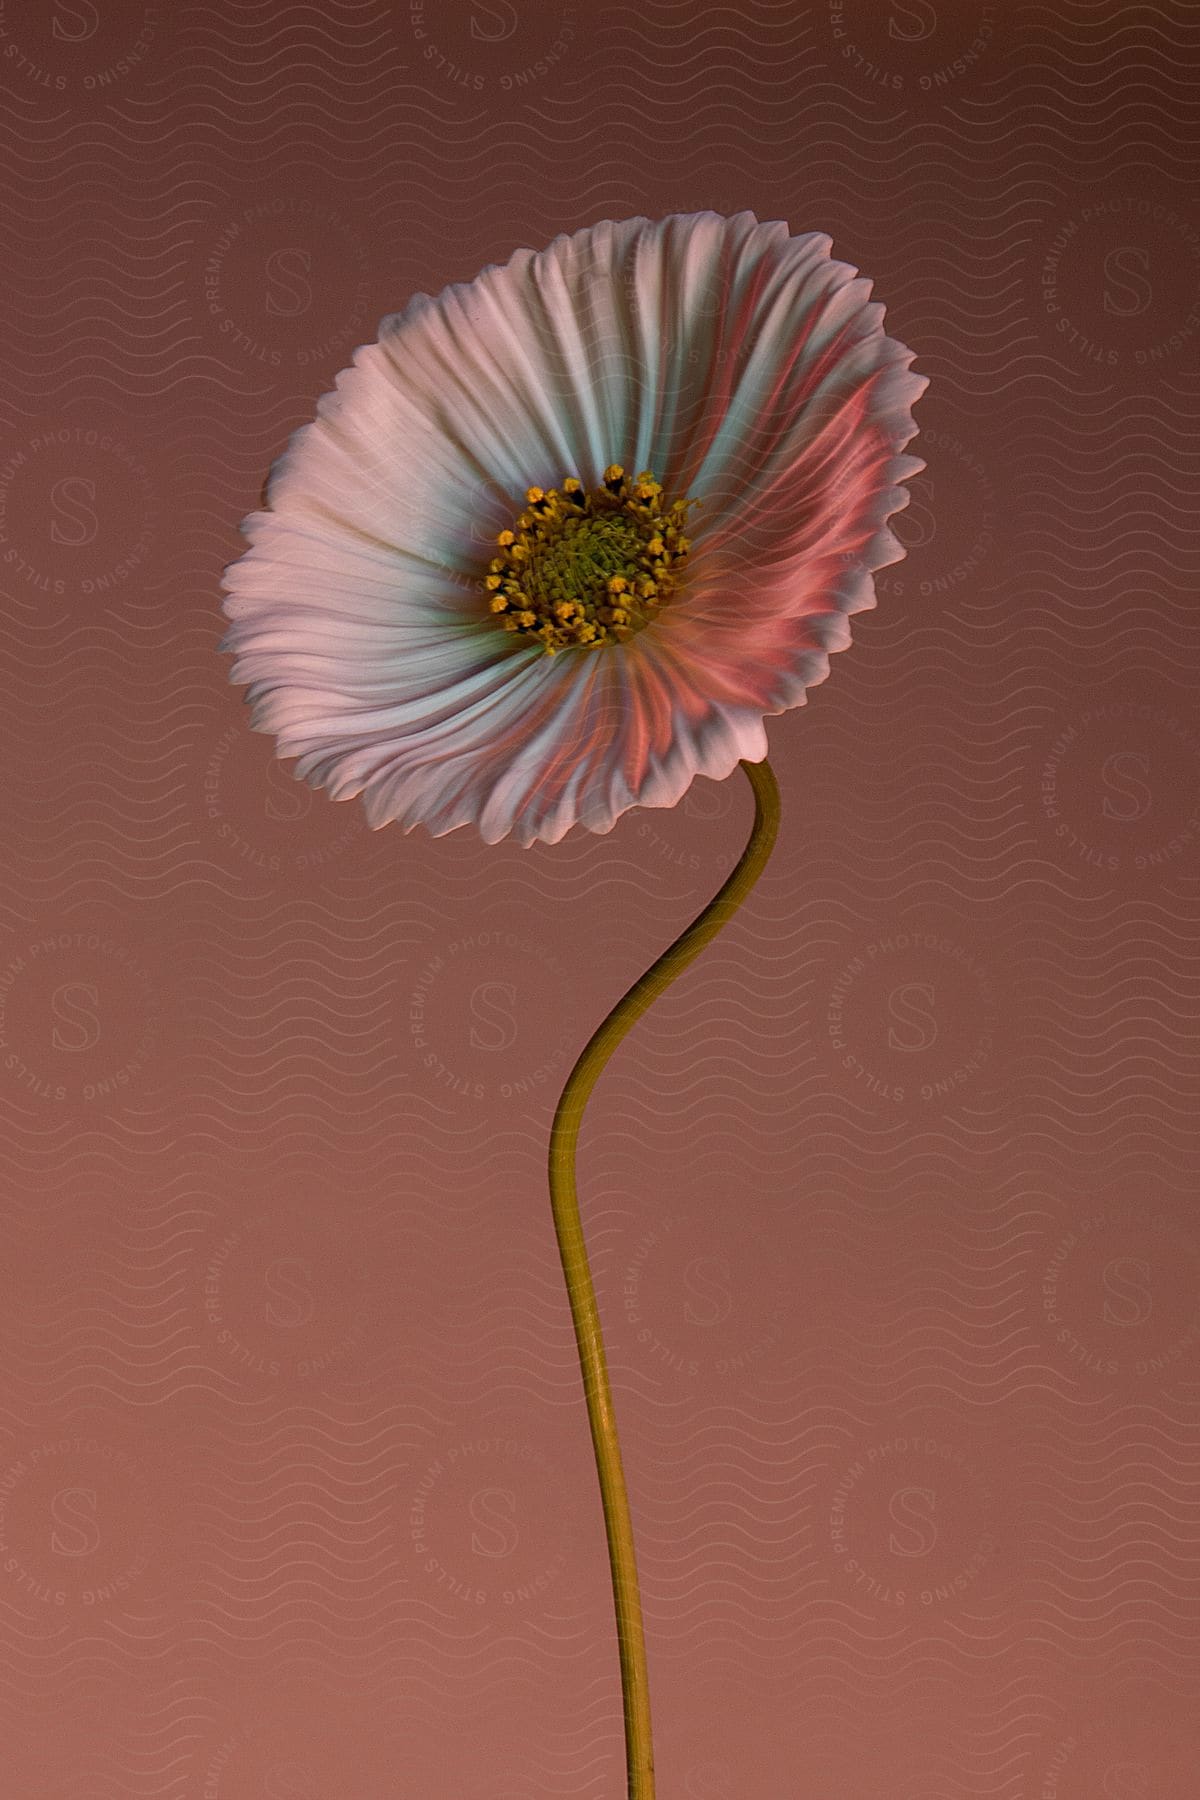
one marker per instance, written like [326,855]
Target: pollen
[585,567]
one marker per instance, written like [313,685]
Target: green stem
[631,1641]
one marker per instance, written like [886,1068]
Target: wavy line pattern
[891,1199]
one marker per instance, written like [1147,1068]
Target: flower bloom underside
[457,604]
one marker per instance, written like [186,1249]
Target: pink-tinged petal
[594,736]
[746,367]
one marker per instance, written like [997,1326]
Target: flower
[563,536]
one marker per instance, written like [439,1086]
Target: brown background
[891,1201]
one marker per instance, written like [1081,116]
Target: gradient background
[891,1200]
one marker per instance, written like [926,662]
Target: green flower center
[586,569]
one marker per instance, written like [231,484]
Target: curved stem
[564,1135]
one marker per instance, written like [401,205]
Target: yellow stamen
[593,571]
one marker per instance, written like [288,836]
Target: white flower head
[563,537]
